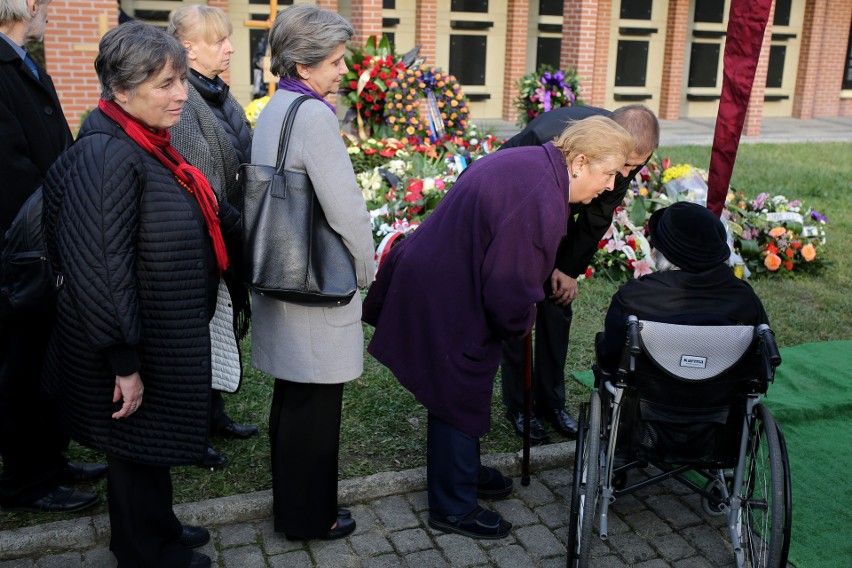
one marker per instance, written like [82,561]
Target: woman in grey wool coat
[312,351]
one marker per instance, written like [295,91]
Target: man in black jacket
[33,132]
[585,229]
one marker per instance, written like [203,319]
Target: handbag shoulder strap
[286,129]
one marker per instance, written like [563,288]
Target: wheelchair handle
[633,335]
[768,351]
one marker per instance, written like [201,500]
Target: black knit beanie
[690,236]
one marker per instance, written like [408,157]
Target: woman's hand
[130,389]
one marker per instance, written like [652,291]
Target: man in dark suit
[33,132]
[585,229]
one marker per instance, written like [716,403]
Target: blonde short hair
[195,21]
[596,137]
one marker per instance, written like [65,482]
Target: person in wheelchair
[693,284]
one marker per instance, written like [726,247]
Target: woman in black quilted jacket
[138,236]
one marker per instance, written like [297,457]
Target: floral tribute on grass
[767,234]
[546,89]
[444,113]
[364,88]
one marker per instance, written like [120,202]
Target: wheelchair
[685,405]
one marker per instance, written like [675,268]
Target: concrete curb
[90,532]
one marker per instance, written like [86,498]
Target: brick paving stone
[626,504]
[673,547]
[647,524]
[609,561]
[539,541]
[395,513]
[249,556]
[333,554]
[236,535]
[710,543]
[460,550]
[673,511]
[410,540]
[656,563]
[64,560]
[431,558]
[599,547]
[535,494]
[512,556]
[365,520]
[562,535]
[515,511]
[419,501]
[553,562]
[615,523]
[99,558]
[18,563]
[275,543]
[693,502]
[554,515]
[563,494]
[370,544]
[297,559]
[384,561]
[555,478]
[631,547]
[693,562]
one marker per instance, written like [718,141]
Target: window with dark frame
[479,6]
[847,74]
[775,69]
[467,58]
[709,11]
[636,9]
[703,64]
[631,63]
[548,51]
[783,8]
[550,7]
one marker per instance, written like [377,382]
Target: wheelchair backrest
[695,353]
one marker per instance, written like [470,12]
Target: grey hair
[642,124]
[661,262]
[305,34]
[16,10]
[132,53]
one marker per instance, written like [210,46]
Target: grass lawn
[384,427]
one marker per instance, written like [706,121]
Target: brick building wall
[674,55]
[825,38]
[75,27]
[754,114]
[70,46]
[516,53]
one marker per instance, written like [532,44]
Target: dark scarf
[157,144]
[214,90]
[294,86]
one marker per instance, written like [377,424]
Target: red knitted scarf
[190,177]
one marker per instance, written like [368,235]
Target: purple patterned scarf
[290,84]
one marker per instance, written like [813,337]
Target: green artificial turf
[811,399]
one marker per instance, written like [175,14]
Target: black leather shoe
[82,472]
[213,459]
[193,537]
[60,500]
[493,484]
[563,423]
[199,560]
[538,435]
[344,513]
[344,528]
[234,430]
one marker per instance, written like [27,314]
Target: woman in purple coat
[468,278]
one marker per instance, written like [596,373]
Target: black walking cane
[525,466]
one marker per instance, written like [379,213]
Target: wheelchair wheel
[586,485]
[788,498]
[763,518]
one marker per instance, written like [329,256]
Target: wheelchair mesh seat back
[685,400]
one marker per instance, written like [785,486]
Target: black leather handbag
[290,252]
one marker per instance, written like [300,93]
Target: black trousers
[552,328]
[304,436]
[145,530]
[32,439]
[218,418]
[452,469]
